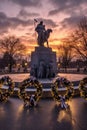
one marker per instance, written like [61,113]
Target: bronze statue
[43,34]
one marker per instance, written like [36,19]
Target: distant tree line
[10,48]
[75,45]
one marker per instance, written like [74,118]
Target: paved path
[47,116]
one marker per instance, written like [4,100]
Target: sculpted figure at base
[43,59]
[41,70]
[43,34]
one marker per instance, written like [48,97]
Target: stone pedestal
[43,62]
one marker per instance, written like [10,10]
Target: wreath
[25,96]
[83,88]
[9,88]
[64,83]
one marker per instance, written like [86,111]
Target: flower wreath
[6,93]
[30,83]
[83,88]
[65,84]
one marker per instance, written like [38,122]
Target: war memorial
[44,100]
[43,59]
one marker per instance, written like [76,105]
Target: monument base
[43,62]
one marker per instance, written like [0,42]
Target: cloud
[65,5]
[53,12]
[70,22]
[27,2]
[48,22]
[7,23]
[4,23]
[12,22]
[24,14]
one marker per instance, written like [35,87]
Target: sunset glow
[17,18]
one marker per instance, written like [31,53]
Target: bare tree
[12,46]
[65,53]
[79,39]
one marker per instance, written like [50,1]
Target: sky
[17,18]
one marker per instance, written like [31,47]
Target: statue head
[41,22]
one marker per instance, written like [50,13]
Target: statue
[47,71]
[43,34]
[43,59]
[41,70]
[33,71]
